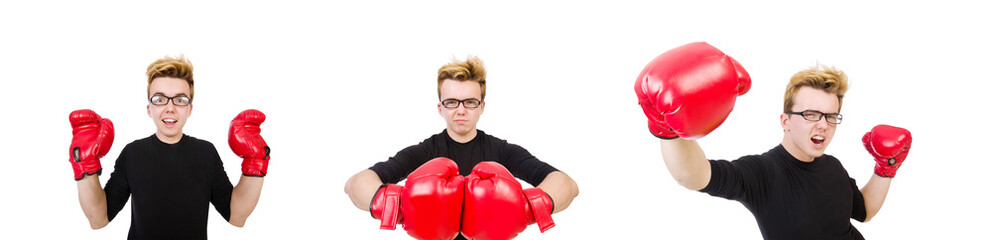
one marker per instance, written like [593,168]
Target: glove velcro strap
[541,205]
[385,205]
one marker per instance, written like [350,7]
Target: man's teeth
[817,139]
[169,120]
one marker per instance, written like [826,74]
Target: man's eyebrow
[163,94]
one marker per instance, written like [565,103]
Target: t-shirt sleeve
[117,190]
[858,211]
[523,165]
[220,186]
[402,164]
[738,180]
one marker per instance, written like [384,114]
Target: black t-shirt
[789,198]
[172,186]
[483,147]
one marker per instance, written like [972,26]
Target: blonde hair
[179,67]
[828,79]
[469,70]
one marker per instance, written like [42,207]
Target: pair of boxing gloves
[93,135]
[438,203]
[690,90]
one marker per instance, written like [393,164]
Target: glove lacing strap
[541,205]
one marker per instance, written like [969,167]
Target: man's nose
[822,123]
[170,106]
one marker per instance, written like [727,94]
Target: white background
[347,85]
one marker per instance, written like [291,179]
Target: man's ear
[783,119]
[439,110]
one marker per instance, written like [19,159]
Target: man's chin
[461,130]
[168,134]
[815,153]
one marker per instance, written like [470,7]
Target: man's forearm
[874,193]
[686,162]
[244,197]
[561,188]
[361,188]
[93,200]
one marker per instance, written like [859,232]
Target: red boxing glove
[429,207]
[246,142]
[889,146]
[92,137]
[496,207]
[690,90]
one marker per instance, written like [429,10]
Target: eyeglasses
[814,115]
[162,100]
[452,103]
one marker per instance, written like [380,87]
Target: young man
[461,90]
[172,177]
[794,190]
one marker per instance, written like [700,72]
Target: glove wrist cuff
[85,167]
[253,172]
[385,205]
[662,132]
[82,174]
[254,167]
[885,172]
[886,167]
[664,137]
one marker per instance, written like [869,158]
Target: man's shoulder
[491,139]
[501,145]
[754,160]
[200,145]
[829,157]
[433,138]
[760,157]
[197,142]
[766,159]
[830,161]
[141,142]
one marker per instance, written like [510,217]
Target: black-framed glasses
[452,103]
[814,115]
[162,100]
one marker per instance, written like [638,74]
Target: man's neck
[169,140]
[463,138]
[795,152]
